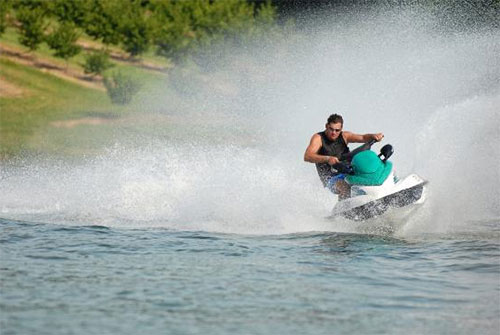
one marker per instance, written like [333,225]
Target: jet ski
[375,187]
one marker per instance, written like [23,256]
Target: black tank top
[335,148]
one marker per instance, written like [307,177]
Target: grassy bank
[41,100]
[50,106]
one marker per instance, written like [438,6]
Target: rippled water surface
[60,279]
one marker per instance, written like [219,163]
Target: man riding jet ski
[326,148]
[365,184]
[374,185]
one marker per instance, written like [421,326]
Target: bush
[97,62]
[121,88]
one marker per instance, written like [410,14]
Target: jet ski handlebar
[347,157]
[344,166]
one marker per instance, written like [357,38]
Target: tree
[69,11]
[185,27]
[102,20]
[135,29]
[32,26]
[62,41]
[97,62]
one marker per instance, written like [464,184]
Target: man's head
[334,126]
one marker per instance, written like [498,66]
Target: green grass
[31,123]
[26,120]
[36,122]
[44,99]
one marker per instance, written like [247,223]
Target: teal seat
[369,169]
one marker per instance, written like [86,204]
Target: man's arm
[311,155]
[357,138]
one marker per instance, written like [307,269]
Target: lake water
[98,280]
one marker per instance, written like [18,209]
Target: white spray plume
[240,169]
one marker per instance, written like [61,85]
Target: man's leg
[343,189]
[339,186]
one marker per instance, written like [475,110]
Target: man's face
[333,130]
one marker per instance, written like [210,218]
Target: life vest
[335,148]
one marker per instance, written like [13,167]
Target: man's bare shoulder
[316,138]
[347,135]
[315,141]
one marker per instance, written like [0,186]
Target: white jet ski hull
[376,200]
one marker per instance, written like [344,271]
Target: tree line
[183,30]
[176,29]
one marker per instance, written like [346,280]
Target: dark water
[60,279]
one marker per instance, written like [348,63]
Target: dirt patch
[9,90]
[93,121]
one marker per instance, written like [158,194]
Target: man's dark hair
[335,118]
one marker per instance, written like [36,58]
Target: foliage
[177,28]
[102,20]
[135,29]
[185,27]
[266,16]
[97,62]
[74,11]
[32,26]
[121,88]
[63,41]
